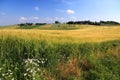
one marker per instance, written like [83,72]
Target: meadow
[60,52]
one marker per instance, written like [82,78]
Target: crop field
[82,33]
[60,52]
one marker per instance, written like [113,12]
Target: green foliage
[39,59]
[29,27]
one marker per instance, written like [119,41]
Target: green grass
[56,52]
[42,60]
[29,27]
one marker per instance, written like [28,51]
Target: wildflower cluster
[33,69]
[6,75]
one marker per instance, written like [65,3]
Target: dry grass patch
[69,68]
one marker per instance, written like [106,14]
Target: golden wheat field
[82,34]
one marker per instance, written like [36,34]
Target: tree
[40,23]
[57,22]
[70,22]
[21,25]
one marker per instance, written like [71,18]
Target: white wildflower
[9,70]
[3,74]
[25,74]
[11,73]
[28,69]
[38,69]
[31,71]
[33,78]
[13,79]
[42,62]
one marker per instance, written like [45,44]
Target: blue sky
[48,11]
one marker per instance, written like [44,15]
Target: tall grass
[24,59]
[89,53]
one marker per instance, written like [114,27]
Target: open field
[82,52]
[81,34]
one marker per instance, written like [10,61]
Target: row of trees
[94,23]
[30,24]
[75,22]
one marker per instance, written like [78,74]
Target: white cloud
[29,19]
[52,19]
[73,18]
[34,18]
[69,11]
[23,18]
[36,8]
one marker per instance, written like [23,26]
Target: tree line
[30,24]
[94,23]
[88,22]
